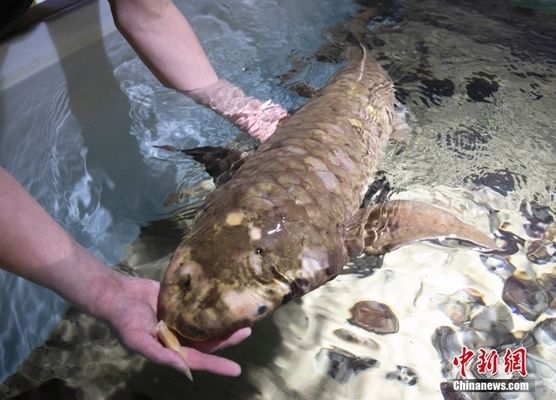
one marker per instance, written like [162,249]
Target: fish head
[223,278]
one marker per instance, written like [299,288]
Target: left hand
[131,312]
[258,119]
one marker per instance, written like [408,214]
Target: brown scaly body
[275,230]
[287,220]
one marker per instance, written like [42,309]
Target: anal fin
[387,226]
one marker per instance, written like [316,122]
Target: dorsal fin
[219,162]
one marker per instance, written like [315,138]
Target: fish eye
[260,251]
[185,284]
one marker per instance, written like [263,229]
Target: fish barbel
[286,219]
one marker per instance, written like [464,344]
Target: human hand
[130,309]
[258,119]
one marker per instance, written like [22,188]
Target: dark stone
[447,346]
[502,181]
[500,266]
[432,90]
[346,335]
[478,89]
[525,297]
[544,250]
[548,282]
[540,252]
[540,213]
[404,374]
[374,317]
[492,327]
[538,218]
[342,365]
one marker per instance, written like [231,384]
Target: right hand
[129,308]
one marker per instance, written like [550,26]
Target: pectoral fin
[387,226]
[171,341]
[219,162]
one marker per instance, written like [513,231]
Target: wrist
[221,96]
[87,283]
[101,294]
[249,114]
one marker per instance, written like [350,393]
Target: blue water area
[79,134]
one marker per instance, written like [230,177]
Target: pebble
[342,365]
[538,217]
[347,335]
[351,337]
[445,342]
[374,317]
[548,282]
[481,89]
[495,315]
[545,333]
[403,374]
[500,266]
[460,305]
[525,296]
[543,251]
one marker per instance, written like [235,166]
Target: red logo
[514,361]
[461,361]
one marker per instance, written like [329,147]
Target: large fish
[286,219]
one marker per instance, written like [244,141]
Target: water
[479,82]
[80,137]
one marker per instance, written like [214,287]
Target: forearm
[165,41]
[35,247]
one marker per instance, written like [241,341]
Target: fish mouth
[195,334]
[179,325]
[190,332]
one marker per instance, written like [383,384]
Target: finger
[148,346]
[221,343]
[208,362]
